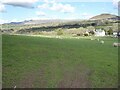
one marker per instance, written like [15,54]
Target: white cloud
[20,3]
[79,0]
[2,8]
[116,3]
[16,20]
[43,6]
[67,8]
[40,13]
[86,15]
[37,18]
[55,6]
[3,21]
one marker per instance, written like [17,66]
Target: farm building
[116,33]
[99,32]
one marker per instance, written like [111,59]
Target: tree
[110,31]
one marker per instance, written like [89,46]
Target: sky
[20,10]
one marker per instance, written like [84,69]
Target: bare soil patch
[77,78]
[31,78]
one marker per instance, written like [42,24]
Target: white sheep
[60,38]
[14,87]
[91,39]
[116,44]
[98,39]
[102,42]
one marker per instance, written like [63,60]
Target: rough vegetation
[105,22]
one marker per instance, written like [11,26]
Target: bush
[91,32]
[59,32]
[78,34]
[110,31]
[86,34]
[90,28]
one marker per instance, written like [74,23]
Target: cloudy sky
[19,10]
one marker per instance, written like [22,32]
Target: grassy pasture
[50,62]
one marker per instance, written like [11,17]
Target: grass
[46,60]
[0,61]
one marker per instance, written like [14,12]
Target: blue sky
[12,11]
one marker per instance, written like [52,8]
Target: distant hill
[21,23]
[43,21]
[37,21]
[14,23]
[105,16]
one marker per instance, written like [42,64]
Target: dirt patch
[27,81]
[77,78]
[31,78]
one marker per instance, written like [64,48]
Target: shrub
[110,31]
[91,32]
[90,28]
[59,32]
[78,34]
[86,34]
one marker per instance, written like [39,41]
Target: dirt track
[76,78]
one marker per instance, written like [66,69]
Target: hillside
[47,21]
[105,16]
[43,21]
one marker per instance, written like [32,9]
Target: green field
[37,62]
